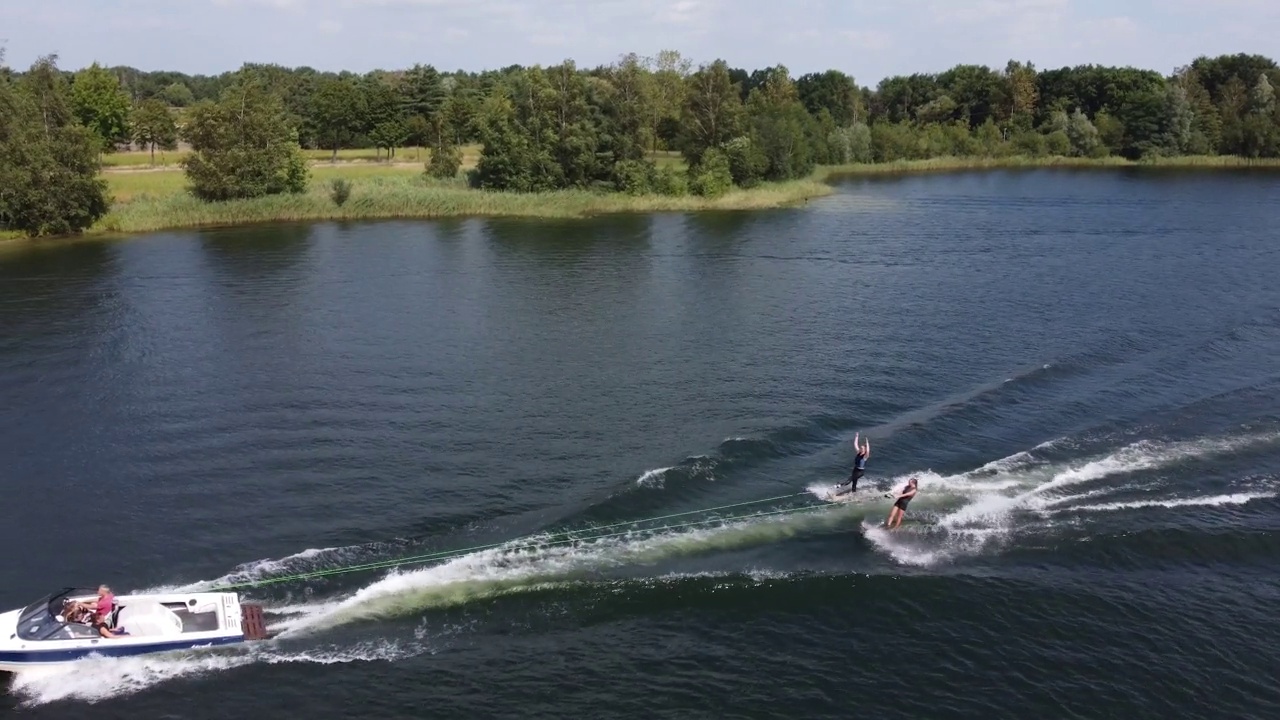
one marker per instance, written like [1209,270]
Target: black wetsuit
[859,468]
[901,503]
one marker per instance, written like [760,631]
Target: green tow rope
[567,538]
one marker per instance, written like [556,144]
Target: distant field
[129,186]
[142,159]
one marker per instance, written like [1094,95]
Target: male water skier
[859,466]
[900,504]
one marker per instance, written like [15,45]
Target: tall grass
[411,195]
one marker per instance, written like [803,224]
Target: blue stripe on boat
[106,649]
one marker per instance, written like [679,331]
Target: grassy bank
[157,199]
[405,193]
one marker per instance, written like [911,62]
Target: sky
[869,39]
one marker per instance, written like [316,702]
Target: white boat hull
[150,623]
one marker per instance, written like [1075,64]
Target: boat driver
[101,610]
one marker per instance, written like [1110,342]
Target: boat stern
[244,618]
[252,623]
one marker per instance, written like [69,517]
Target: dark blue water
[1080,367]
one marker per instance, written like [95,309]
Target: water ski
[862,494]
[831,497]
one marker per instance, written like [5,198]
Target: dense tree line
[564,126]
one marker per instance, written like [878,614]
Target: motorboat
[47,632]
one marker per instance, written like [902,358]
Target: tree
[461,115]
[978,91]
[1262,98]
[383,115]
[1022,95]
[897,98]
[1206,121]
[243,146]
[1260,129]
[507,161]
[446,158]
[177,95]
[779,125]
[712,111]
[834,92]
[1085,141]
[670,88]
[576,140]
[631,107]
[153,125]
[101,105]
[1147,125]
[337,110]
[1179,121]
[422,94]
[49,164]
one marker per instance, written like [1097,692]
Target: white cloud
[330,27]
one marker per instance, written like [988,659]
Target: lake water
[1082,368]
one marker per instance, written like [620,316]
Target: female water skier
[900,505]
[859,466]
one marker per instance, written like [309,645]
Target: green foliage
[989,141]
[445,160]
[153,126]
[243,145]
[1110,131]
[834,92]
[49,182]
[712,177]
[1030,144]
[337,110]
[747,161]
[671,181]
[339,190]
[635,177]
[891,142]
[850,144]
[566,128]
[389,135]
[422,92]
[101,105]
[177,95]
[1148,125]
[939,110]
[713,112]
[1057,143]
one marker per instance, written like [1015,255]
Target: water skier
[900,504]
[859,467]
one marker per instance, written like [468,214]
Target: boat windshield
[39,621]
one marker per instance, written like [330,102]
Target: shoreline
[398,191]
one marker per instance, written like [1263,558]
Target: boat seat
[113,619]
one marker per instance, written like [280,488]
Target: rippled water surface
[1080,367]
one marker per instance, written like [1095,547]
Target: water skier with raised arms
[859,467]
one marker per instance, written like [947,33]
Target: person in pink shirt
[102,610]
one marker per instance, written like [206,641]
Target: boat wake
[1037,494]
[956,516]
[96,679]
